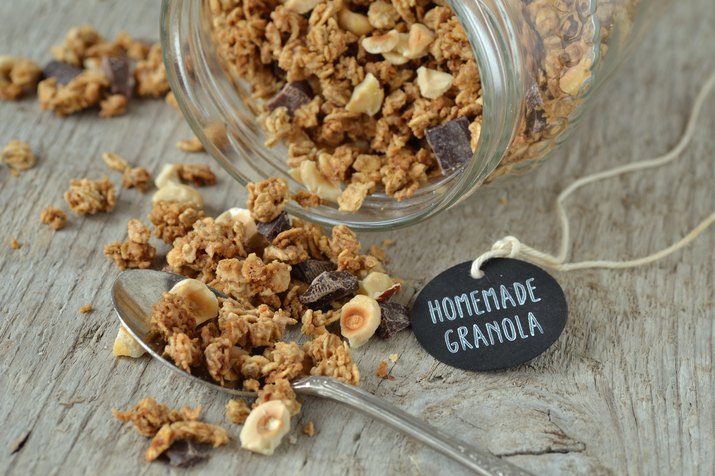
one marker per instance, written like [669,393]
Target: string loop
[511,247]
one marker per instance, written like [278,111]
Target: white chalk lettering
[506,296]
[462,333]
[518,325]
[435,311]
[458,300]
[531,289]
[451,346]
[534,324]
[485,298]
[494,326]
[449,311]
[478,336]
[474,296]
[510,332]
[520,292]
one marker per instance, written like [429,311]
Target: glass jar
[540,63]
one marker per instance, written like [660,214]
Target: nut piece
[239,214]
[395,58]
[301,6]
[433,83]
[354,22]
[202,303]
[359,320]
[169,174]
[126,346]
[367,97]
[265,427]
[419,40]
[115,162]
[309,175]
[178,193]
[377,44]
[376,285]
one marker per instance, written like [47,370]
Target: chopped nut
[18,156]
[267,199]
[54,217]
[126,346]
[169,174]
[178,193]
[265,427]
[85,309]
[420,39]
[88,197]
[301,6]
[432,83]
[240,215]
[237,411]
[353,196]
[192,145]
[201,301]
[376,284]
[359,320]
[367,97]
[115,161]
[309,175]
[354,22]
[377,44]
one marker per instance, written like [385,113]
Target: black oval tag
[508,317]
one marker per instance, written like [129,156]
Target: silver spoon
[134,293]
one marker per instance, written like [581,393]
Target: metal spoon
[135,291]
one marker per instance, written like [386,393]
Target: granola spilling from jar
[278,273]
[383,95]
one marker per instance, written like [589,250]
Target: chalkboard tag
[508,317]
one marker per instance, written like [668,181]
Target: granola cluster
[17,77]
[88,197]
[53,217]
[166,426]
[18,156]
[135,251]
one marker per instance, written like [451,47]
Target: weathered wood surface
[627,389]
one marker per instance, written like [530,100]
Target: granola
[237,411]
[53,217]
[173,220]
[199,175]
[148,416]
[135,251]
[85,309]
[190,145]
[17,77]
[136,177]
[267,200]
[18,156]
[88,197]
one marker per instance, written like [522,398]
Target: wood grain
[626,390]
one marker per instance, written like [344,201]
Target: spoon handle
[479,461]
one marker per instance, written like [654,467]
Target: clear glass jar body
[540,62]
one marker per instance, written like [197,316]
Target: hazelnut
[367,97]
[433,83]
[378,286]
[354,22]
[395,58]
[359,319]
[198,297]
[418,42]
[265,427]
[301,6]
[309,175]
[242,215]
[126,346]
[169,174]
[178,193]
[377,44]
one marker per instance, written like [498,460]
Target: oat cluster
[135,251]
[18,156]
[53,217]
[18,76]
[88,197]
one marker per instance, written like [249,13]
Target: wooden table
[627,389]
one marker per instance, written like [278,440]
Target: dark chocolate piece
[185,453]
[329,286]
[274,228]
[117,71]
[307,271]
[62,72]
[394,318]
[292,96]
[451,143]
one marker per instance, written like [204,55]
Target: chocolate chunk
[329,286]
[394,318]
[185,453]
[117,71]
[292,96]
[62,72]
[451,143]
[307,271]
[274,228]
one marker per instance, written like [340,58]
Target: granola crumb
[53,217]
[170,99]
[307,200]
[136,177]
[237,411]
[309,429]
[18,156]
[113,106]
[382,370]
[15,245]
[86,309]
[115,161]
[88,197]
[192,145]
[135,252]
[267,199]
[198,174]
